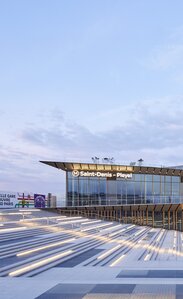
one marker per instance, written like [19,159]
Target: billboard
[39,201]
[8,199]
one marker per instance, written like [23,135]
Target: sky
[88,78]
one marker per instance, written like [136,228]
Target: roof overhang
[70,166]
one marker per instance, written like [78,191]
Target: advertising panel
[8,199]
[39,201]
[25,199]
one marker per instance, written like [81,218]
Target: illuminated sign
[99,174]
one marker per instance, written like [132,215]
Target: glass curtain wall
[141,189]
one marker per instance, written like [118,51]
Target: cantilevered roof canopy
[70,166]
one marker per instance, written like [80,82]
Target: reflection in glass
[111,191]
[156,178]
[130,192]
[102,191]
[175,179]
[149,177]
[141,189]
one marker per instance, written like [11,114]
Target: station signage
[8,199]
[39,201]
[98,174]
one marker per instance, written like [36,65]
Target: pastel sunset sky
[83,78]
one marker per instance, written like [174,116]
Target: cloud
[165,57]
[152,124]
[169,55]
[150,129]
[21,171]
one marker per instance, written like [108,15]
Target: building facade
[110,185]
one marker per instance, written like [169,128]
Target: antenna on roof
[140,161]
[95,160]
[108,160]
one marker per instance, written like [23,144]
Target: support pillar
[137,216]
[176,217]
[174,220]
[125,216]
[131,215]
[153,218]
[147,216]
[134,216]
[163,219]
[106,214]
[114,214]
[110,214]
[139,219]
[120,215]
[103,214]
[143,217]
[168,219]
[140,216]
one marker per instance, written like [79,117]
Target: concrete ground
[45,255]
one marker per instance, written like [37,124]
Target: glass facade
[140,189]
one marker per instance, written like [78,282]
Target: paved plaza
[46,255]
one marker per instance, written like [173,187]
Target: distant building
[108,184]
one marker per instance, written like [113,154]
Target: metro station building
[108,184]
[142,195]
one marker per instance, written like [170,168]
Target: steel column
[147,215]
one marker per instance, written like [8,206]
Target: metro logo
[75,173]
